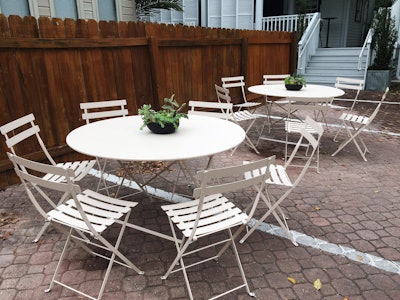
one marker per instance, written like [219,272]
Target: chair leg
[339,131]
[245,283]
[42,230]
[248,141]
[271,210]
[351,137]
[59,262]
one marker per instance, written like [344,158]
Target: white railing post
[283,23]
[309,42]
[310,39]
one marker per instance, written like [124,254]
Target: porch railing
[366,47]
[284,23]
[308,43]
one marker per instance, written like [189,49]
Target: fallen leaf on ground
[292,280]
[317,284]
[5,235]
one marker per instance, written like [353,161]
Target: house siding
[355,32]
[44,8]
[332,9]
[128,12]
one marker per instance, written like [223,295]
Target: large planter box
[377,80]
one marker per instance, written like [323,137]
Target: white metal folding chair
[238,82]
[294,126]
[354,125]
[239,117]
[279,176]
[347,84]
[99,110]
[84,217]
[280,103]
[24,130]
[212,213]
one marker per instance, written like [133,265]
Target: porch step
[329,63]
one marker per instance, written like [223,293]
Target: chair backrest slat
[222,94]
[235,82]
[101,109]
[20,130]
[6,128]
[224,180]
[208,109]
[274,79]
[19,137]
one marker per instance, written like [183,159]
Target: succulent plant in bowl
[165,120]
[295,82]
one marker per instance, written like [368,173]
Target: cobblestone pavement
[346,220]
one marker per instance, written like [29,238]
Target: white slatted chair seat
[24,129]
[83,217]
[297,127]
[101,211]
[211,212]
[244,115]
[218,214]
[354,118]
[280,177]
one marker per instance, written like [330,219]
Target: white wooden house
[334,44]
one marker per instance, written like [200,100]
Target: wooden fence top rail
[62,43]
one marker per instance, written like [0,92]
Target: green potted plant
[295,82]
[384,37]
[165,120]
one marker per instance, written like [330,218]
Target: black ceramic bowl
[156,128]
[293,87]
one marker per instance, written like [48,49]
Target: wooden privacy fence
[48,66]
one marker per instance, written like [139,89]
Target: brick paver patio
[346,220]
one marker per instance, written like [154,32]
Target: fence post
[244,57]
[154,62]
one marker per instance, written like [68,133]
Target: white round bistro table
[121,139]
[309,91]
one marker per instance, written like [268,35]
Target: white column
[292,7]
[259,9]
[203,13]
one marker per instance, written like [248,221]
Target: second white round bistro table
[309,91]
